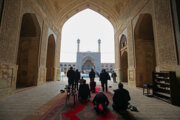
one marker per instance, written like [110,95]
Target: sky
[88,26]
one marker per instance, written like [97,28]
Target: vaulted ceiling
[64,9]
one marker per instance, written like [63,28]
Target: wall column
[42,54]
[9,39]
[117,56]
[131,55]
[57,55]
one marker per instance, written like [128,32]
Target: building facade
[87,60]
[64,66]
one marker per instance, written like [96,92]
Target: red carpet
[80,111]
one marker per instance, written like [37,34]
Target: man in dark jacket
[120,99]
[71,76]
[100,98]
[104,77]
[84,91]
[77,78]
[114,76]
[93,86]
[92,75]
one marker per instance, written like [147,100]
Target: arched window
[123,41]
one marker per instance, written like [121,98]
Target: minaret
[78,43]
[99,45]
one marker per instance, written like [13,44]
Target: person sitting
[84,92]
[81,80]
[92,86]
[120,99]
[100,99]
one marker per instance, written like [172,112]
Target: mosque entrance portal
[86,67]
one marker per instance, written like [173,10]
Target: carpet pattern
[57,109]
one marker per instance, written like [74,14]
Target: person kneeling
[100,99]
[84,92]
[120,99]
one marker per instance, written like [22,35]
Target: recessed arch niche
[144,50]
[28,51]
[50,60]
[88,63]
[123,58]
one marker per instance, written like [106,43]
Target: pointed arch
[28,51]
[144,50]
[88,63]
[50,60]
[75,8]
[123,58]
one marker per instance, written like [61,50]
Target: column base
[41,76]
[131,77]
[8,76]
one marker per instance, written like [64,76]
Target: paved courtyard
[22,103]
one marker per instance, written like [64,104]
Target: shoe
[62,91]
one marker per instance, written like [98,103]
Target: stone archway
[144,50]
[123,58]
[28,51]
[50,60]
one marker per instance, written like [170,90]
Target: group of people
[120,99]
[104,77]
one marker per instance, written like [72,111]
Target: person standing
[120,99]
[71,76]
[93,86]
[92,74]
[113,75]
[104,77]
[77,78]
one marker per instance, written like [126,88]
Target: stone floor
[17,106]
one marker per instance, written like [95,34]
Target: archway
[86,32]
[144,49]
[87,64]
[28,51]
[123,58]
[50,58]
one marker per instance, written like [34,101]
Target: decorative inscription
[131,75]
[5,78]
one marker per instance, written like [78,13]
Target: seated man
[92,86]
[84,91]
[120,99]
[100,98]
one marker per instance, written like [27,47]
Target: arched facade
[87,60]
[147,21]
[50,63]
[28,51]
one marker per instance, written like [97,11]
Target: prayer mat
[58,109]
